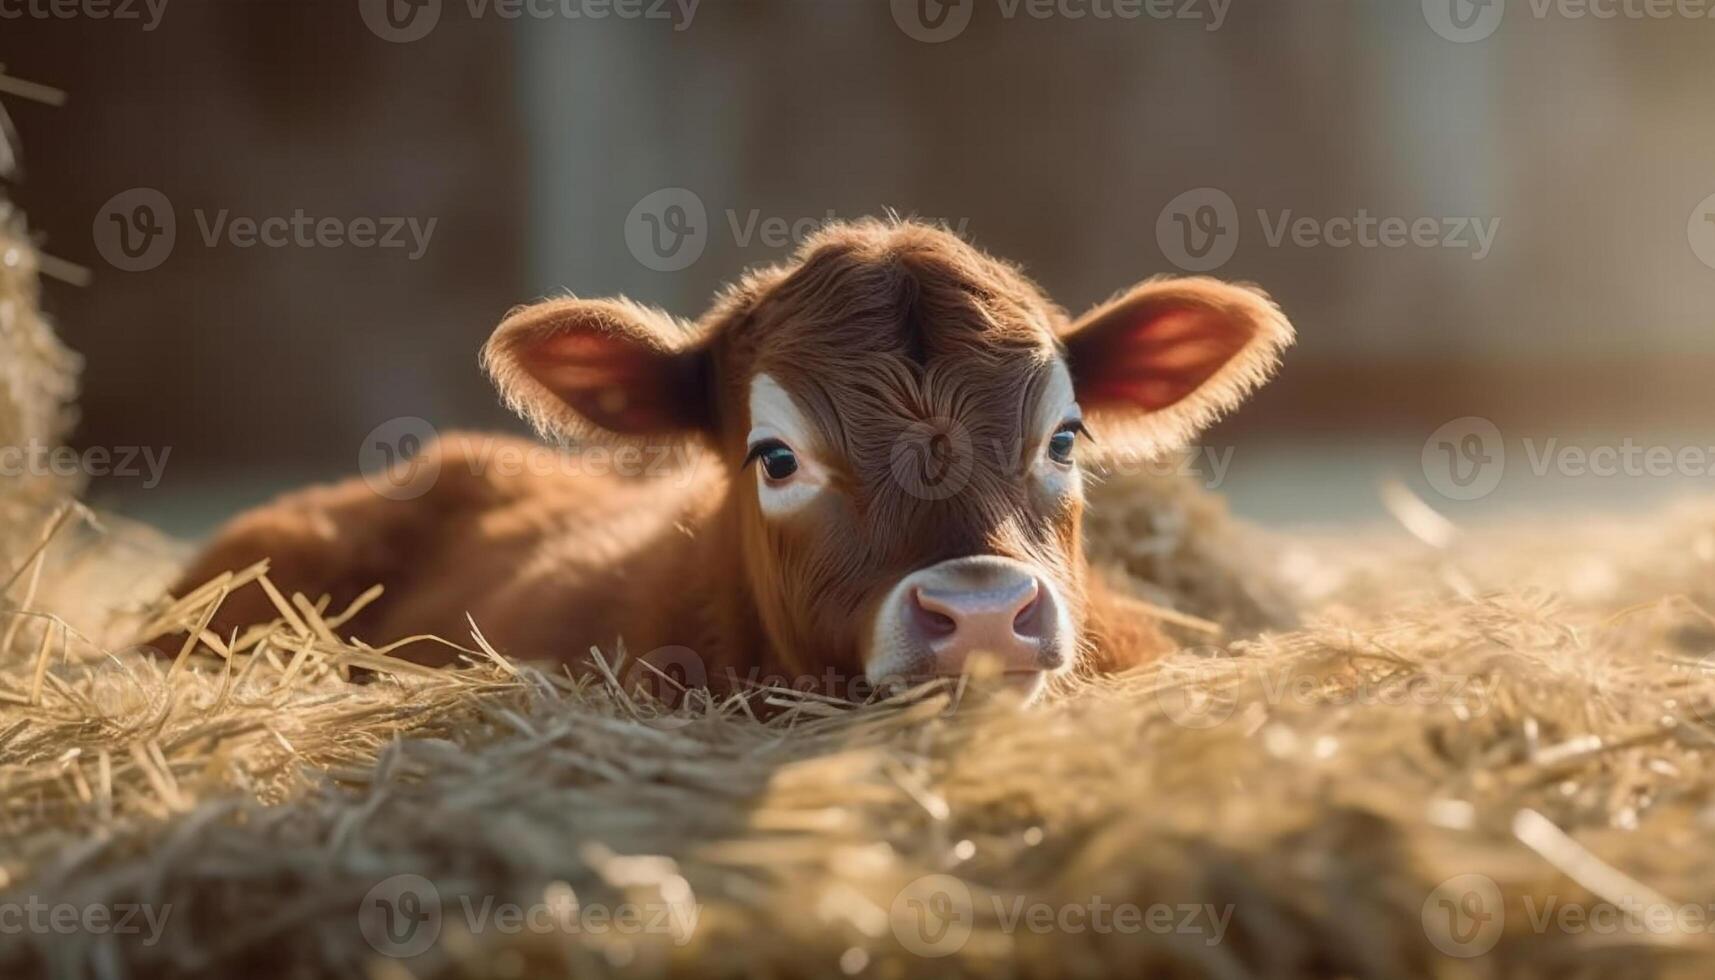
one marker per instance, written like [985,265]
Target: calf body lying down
[883,439]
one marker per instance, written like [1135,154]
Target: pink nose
[981,606]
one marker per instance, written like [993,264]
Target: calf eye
[778,460]
[1061,444]
[779,463]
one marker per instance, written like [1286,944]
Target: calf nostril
[1028,622]
[931,617]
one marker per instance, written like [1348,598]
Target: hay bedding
[1529,706]
[1353,722]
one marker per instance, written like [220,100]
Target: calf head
[903,419]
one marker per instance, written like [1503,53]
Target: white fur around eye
[1057,406]
[774,415]
[788,496]
[1057,479]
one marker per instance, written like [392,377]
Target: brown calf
[878,471]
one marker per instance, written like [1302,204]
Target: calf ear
[1155,365]
[578,369]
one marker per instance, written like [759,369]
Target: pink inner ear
[1160,359]
[613,381]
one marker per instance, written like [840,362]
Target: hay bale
[1180,549]
[38,383]
[38,375]
[38,389]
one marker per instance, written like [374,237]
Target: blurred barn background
[540,146]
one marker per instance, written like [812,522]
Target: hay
[1527,706]
[38,375]
[38,390]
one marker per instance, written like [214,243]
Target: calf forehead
[873,410]
[907,291]
[879,349]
